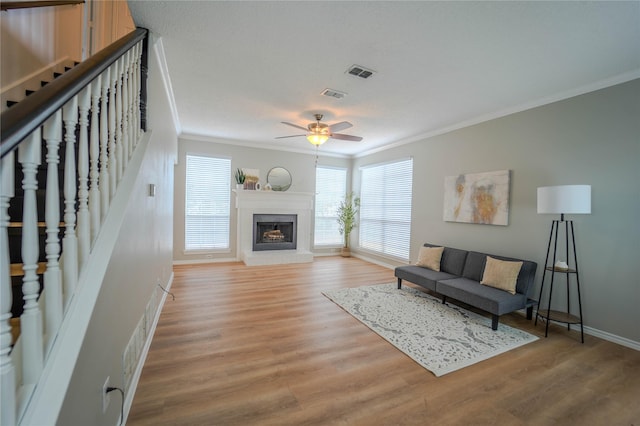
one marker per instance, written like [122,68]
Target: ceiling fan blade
[292,136]
[346,137]
[295,125]
[343,125]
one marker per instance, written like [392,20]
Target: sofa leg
[399,283]
[530,312]
[494,322]
[444,299]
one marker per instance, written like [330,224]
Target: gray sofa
[459,278]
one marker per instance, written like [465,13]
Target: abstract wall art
[477,198]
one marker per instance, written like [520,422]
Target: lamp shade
[564,199]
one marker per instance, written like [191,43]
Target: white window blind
[208,184]
[331,188]
[385,208]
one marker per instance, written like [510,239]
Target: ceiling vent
[360,71]
[333,93]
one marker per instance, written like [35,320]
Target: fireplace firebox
[274,232]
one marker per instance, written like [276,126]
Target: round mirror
[279,178]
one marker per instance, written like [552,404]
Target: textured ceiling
[239,68]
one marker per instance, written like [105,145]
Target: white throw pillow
[501,274]
[429,257]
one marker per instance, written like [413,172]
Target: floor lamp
[563,199]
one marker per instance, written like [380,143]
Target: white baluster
[94,152]
[31,318]
[130,125]
[119,108]
[7,370]
[113,164]
[104,145]
[125,109]
[84,229]
[52,133]
[133,134]
[70,240]
[138,70]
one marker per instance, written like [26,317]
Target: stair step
[40,225]
[16,269]
[15,329]
[29,92]
[11,103]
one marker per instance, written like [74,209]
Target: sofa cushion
[501,274]
[421,276]
[489,299]
[474,266]
[452,259]
[429,257]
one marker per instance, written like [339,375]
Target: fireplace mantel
[249,203]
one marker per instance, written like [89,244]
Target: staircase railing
[95,114]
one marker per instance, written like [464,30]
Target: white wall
[32,39]
[142,259]
[590,139]
[301,167]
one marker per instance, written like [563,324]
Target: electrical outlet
[106,397]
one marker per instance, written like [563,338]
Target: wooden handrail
[8,5]
[19,121]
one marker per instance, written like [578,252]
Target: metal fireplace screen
[274,231]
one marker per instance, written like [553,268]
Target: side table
[559,316]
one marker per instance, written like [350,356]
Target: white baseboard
[609,337]
[131,391]
[199,261]
[604,335]
[372,260]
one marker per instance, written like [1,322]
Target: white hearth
[249,203]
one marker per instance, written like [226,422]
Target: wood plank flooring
[262,346]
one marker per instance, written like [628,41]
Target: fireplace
[277,203]
[274,232]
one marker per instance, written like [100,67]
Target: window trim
[379,253]
[205,251]
[346,189]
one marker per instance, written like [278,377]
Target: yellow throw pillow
[501,274]
[429,257]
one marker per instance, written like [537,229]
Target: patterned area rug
[441,338]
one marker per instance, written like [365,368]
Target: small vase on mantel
[239,186]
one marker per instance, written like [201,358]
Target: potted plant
[240,177]
[347,212]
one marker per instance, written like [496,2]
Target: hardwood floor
[261,346]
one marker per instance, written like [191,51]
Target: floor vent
[360,71]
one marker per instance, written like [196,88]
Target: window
[207,204]
[331,187]
[385,208]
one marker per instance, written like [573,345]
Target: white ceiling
[239,68]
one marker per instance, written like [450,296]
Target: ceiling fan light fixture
[317,138]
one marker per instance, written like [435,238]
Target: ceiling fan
[318,133]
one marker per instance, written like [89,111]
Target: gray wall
[590,139]
[301,166]
[142,258]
